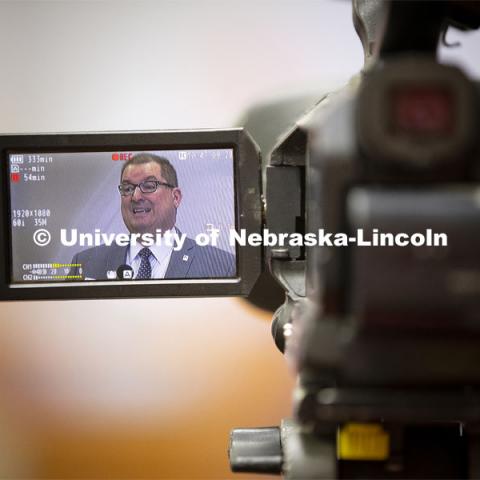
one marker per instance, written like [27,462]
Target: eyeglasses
[148,186]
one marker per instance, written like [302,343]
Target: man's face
[147,212]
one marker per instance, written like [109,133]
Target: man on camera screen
[150,197]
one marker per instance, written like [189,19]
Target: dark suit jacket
[192,261]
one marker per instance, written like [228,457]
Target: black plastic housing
[247,212]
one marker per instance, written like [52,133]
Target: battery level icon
[16,159]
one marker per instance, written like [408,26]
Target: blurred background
[151,388]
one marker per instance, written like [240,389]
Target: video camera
[381,319]
[370,217]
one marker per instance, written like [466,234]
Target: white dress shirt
[159,259]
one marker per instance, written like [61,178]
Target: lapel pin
[185,258]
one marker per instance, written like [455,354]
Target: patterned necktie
[145,270]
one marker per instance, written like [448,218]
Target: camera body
[381,314]
[395,167]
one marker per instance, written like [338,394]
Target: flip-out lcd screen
[121,215]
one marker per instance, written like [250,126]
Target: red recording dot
[15,177]
[115,156]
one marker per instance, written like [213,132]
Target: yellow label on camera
[362,441]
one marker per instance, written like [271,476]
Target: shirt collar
[159,251]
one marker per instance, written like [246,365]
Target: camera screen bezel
[247,212]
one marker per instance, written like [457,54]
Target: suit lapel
[117,256]
[181,259]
